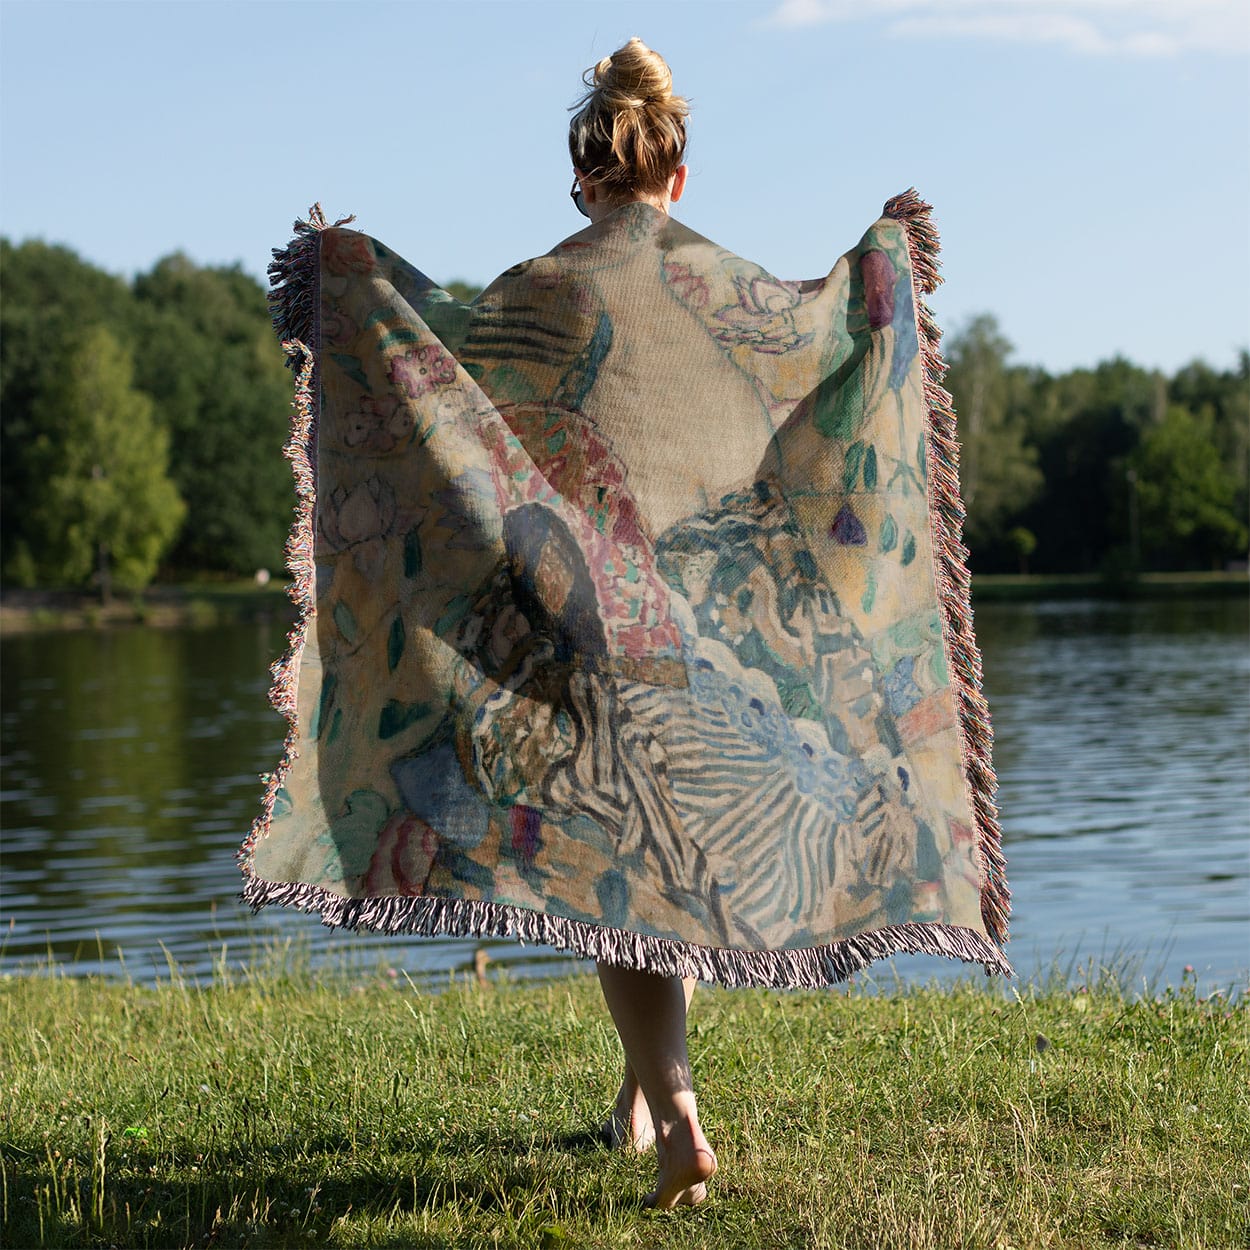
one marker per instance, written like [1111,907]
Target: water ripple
[1121,733]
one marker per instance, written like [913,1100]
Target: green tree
[1024,543]
[1085,424]
[1185,495]
[1222,397]
[208,357]
[465,292]
[51,296]
[104,506]
[997,467]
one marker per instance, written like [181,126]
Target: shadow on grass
[264,1196]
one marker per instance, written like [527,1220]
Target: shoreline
[204,604]
[170,606]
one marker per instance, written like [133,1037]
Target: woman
[628,143]
[635,619]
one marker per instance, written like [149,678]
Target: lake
[130,774]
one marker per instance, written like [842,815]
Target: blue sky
[1089,160]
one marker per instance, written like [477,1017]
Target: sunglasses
[576,196]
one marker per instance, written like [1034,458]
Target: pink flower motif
[346,251]
[691,289]
[878,275]
[578,461]
[379,425]
[581,295]
[766,295]
[422,369]
[963,835]
[405,852]
[336,326]
[357,515]
[763,318]
[527,837]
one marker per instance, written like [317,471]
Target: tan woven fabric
[635,618]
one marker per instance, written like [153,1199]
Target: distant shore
[192,604]
[169,605]
[1001,587]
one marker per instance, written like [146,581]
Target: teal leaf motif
[870,592]
[870,469]
[345,621]
[412,553]
[798,701]
[850,470]
[453,614]
[396,717]
[400,336]
[350,366]
[889,533]
[329,683]
[579,379]
[395,643]
[909,548]
[839,408]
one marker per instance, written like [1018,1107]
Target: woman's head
[629,132]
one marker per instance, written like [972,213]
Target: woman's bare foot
[629,1125]
[649,1012]
[686,1165]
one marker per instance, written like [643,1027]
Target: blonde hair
[629,132]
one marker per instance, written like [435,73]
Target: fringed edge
[294,281]
[951,565]
[283,691]
[294,301]
[808,968]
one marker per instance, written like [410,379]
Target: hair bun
[634,76]
[629,131]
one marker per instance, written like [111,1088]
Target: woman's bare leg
[629,1124]
[650,1015]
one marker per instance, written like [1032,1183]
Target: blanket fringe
[807,968]
[294,303]
[283,691]
[951,558]
[294,281]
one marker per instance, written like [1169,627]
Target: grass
[291,1109]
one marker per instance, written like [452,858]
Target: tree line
[1113,470]
[143,420]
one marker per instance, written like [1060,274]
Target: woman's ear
[678,184]
[588,186]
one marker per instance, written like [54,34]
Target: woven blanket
[634,618]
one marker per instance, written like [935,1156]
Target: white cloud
[1138,28]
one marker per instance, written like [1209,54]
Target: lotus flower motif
[359,515]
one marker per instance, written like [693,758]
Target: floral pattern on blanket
[707,701]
